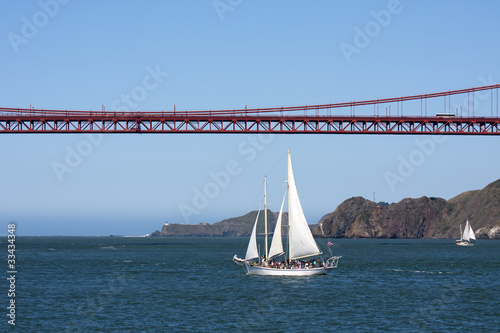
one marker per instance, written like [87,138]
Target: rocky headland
[425,217]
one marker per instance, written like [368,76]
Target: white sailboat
[301,243]
[468,238]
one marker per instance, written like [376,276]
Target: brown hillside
[416,218]
[425,217]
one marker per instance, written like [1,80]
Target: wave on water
[111,247]
[417,271]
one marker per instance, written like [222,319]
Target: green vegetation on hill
[425,217]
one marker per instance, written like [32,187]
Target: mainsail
[252,251]
[276,243]
[302,243]
[471,233]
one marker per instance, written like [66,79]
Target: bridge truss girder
[248,124]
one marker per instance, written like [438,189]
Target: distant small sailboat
[468,236]
[301,243]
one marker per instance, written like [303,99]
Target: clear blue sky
[228,54]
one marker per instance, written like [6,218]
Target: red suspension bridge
[472,111]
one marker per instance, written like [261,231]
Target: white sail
[302,243]
[472,235]
[252,251]
[465,235]
[277,243]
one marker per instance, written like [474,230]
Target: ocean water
[118,284]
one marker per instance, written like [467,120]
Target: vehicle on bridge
[445,115]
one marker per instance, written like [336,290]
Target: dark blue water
[107,284]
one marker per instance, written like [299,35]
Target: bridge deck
[249,124]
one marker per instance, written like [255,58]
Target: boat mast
[265,216]
[289,215]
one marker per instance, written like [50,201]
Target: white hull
[463,243]
[258,270]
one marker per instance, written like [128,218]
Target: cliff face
[360,218]
[416,218]
[482,208]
